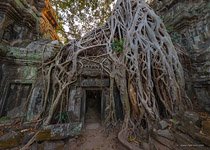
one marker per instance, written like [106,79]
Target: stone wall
[27,28]
[48,23]
[18,73]
[26,20]
[15,86]
[188,23]
[75,107]
[77,101]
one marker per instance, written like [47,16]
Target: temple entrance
[93,107]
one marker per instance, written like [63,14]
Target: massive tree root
[135,50]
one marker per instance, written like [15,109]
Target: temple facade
[28,39]
[27,20]
[27,35]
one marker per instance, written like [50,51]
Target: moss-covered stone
[44,135]
[5,120]
[59,131]
[10,140]
[29,72]
[35,51]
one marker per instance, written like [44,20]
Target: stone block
[206,127]
[166,134]
[59,131]
[190,116]
[10,140]
[163,124]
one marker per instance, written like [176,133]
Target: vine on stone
[147,71]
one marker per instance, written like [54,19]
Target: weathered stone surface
[95,82]
[22,20]
[166,134]
[45,49]
[191,117]
[15,87]
[10,140]
[34,107]
[206,127]
[5,120]
[19,71]
[188,23]
[162,143]
[59,131]
[163,124]
[191,133]
[34,51]
[26,30]
[203,138]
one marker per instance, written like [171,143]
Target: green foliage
[169,29]
[62,117]
[174,121]
[76,17]
[4,118]
[117,45]
[175,37]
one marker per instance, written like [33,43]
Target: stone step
[92,126]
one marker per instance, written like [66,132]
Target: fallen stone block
[59,131]
[11,139]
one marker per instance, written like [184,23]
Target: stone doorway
[93,106]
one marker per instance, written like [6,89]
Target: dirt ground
[93,137]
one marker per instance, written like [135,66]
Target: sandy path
[94,138]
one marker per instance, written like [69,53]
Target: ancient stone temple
[26,27]
[188,24]
[28,38]
[90,95]
[35,67]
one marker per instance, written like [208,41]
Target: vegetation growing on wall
[117,45]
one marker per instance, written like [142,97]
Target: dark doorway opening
[93,106]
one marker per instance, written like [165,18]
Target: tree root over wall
[135,50]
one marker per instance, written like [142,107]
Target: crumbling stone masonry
[21,23]
[27,34]
[188,23]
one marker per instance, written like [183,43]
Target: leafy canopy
[76,17]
